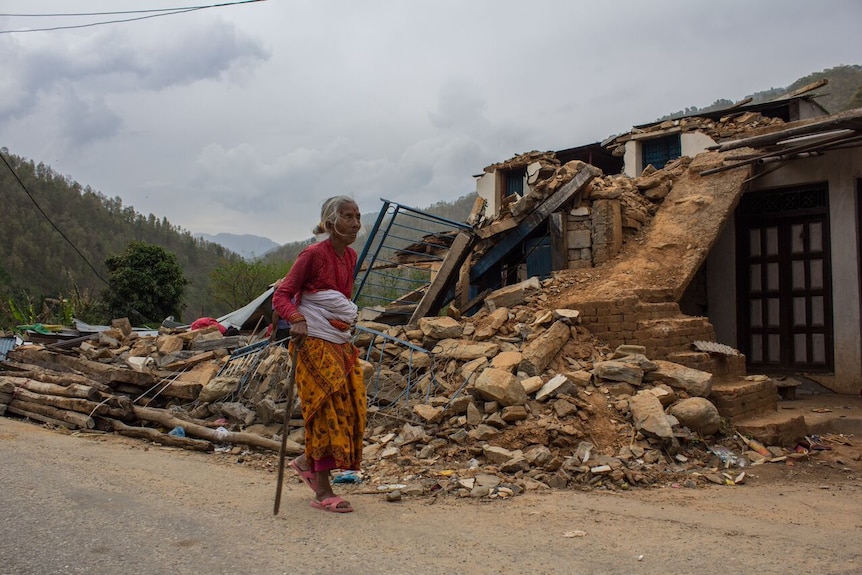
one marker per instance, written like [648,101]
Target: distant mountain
[457,210]
[246,245]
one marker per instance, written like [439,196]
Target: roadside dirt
[90,503]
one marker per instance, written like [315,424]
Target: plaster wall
[632,159]
[808,110]
[486,188]
[693,143]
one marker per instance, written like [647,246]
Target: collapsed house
[601,311]
[745,217]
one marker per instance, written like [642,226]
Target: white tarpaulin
[239,317]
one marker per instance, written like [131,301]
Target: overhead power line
[151,13]
[53,225]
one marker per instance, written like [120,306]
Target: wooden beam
[40,417]
[213,435]
[497,227]
[842,120]
[79,420]
[432,301]
[157,436]
[70,390]
[789,151]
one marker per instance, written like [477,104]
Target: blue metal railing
[397,259]
[414,375]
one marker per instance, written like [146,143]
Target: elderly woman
[315,299]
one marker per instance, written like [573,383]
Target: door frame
[784,209]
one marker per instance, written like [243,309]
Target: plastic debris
[347,477]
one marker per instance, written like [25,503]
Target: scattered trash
[814,443]
[576,533]
[221,433]
[583,451]
[755,445]
[177,432]
[728,457]
[346,477]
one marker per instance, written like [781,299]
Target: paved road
[100,506]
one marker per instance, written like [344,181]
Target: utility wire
[53,225]
[115,12]
[152,13]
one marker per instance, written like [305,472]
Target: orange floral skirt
[332,396]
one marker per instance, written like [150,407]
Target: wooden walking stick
[285,428]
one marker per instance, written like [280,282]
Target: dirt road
[108,505]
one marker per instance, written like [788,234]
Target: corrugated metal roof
[7,344]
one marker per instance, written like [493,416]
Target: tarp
[246,316]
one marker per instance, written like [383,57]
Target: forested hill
[843,92]
[37,261]
[457,210]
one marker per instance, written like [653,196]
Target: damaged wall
[842,170]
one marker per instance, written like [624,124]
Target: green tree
[855,100]
[239,282]
[146,284]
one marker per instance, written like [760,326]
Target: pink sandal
[331,504]
[308,476]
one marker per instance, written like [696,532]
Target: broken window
[660,151]
[513,182]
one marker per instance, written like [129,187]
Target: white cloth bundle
[322,306]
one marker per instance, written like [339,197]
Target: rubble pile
[516,397]
[528,395]
[138,385]
[728,127]
[519,396]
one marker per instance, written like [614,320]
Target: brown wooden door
[785,295]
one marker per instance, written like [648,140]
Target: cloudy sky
[244,118]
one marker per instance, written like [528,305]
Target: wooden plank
[497,227]
[73,404]
[104,372]
[71,390]
[79,420]
[844,120]
[157,436]
[819,145]
[56,377]
[194,430]
[40,417]
[528,224]
[433,299]
[559,249]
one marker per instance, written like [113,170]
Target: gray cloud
[244,119]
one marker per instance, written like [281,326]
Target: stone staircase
[658,326]
[749,403]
